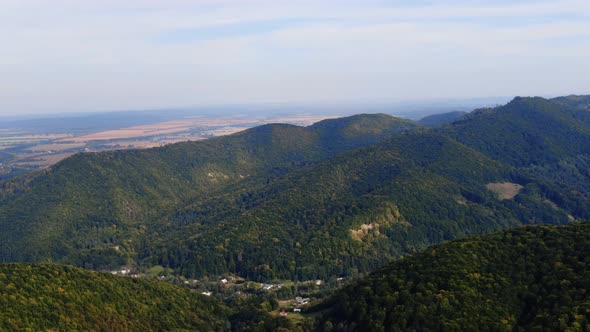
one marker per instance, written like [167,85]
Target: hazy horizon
[411,109]
[69,56]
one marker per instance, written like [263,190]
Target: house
[283,313]
[207,293]
[224,281]
[296,310]
[300,300]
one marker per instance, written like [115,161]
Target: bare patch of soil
[504,190]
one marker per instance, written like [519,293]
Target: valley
[295,166]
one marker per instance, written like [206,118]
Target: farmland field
[27,146]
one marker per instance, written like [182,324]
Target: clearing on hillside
[504,190]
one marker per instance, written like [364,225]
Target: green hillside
[51,297]
[338,198]
[548,143]
[526,131]
[339,135]
[349,214]
[576,101]
[358,210]
[529,278]
[89,203]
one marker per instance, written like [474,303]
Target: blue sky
[70,55]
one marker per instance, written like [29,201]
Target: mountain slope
[526,278]
[546,141]
[360,209]
[282,201]
[526,131]
[344,134]
[89,204]
[575,101]
[349,214]
[51,297]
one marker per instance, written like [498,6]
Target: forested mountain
[340,197]
[528,278]
[51,298]
[576,101]
[351,213]
[526,131]
[339,135]
[90,203]
[547,143]
[360,209]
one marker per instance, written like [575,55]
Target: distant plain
[29,148]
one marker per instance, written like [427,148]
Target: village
[292,298]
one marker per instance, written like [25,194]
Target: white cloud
[113,54]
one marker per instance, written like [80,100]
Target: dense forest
[82,207]
[50,297]
[340,198]
[351,214]
[337,198]
[526,131]
[527,278]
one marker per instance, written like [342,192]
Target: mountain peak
[362,124]
[520,100]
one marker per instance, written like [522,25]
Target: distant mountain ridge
[440,119]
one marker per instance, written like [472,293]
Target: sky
[78,56]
